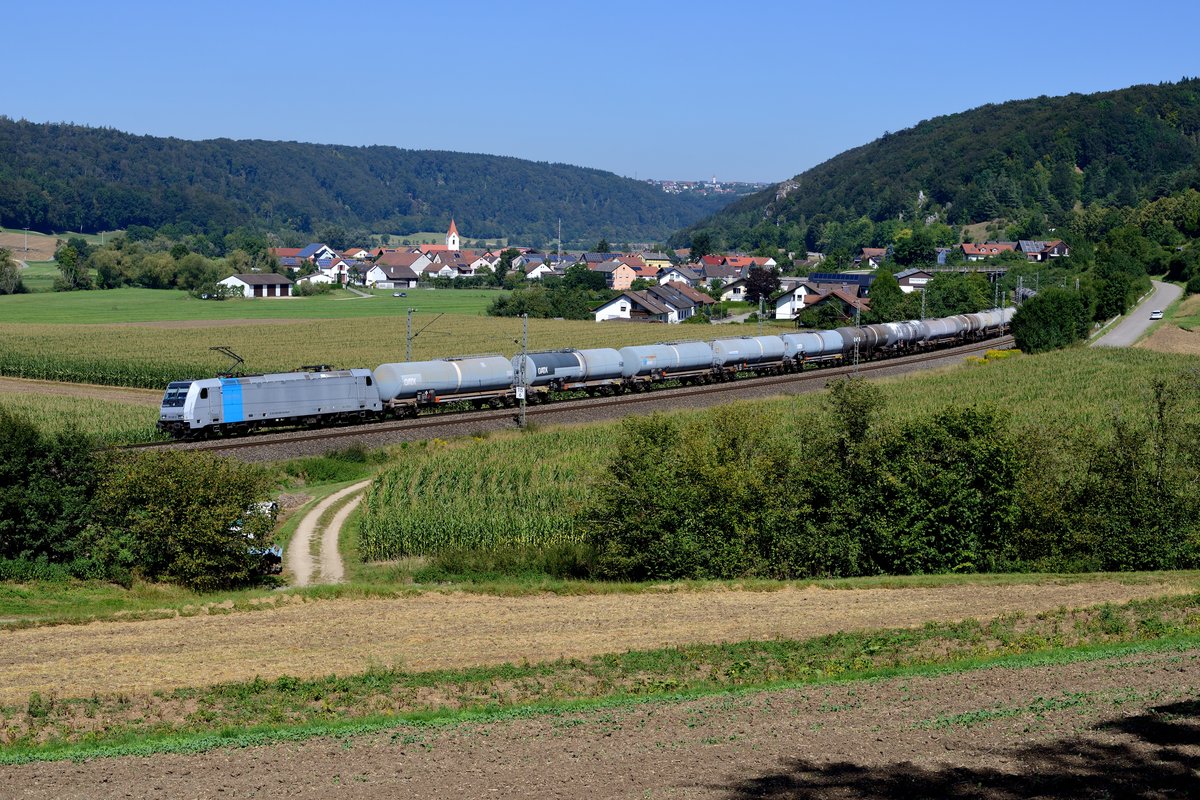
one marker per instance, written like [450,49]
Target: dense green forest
[56,177]
[1030,162]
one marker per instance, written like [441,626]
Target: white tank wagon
[652,362]
[408,386]
[748,354]
[565,370]
[244,404]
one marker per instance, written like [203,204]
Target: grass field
[516,489]
[163,305]
[38,276]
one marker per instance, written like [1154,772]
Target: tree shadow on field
[1155,754]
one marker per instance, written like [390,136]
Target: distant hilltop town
[711,186]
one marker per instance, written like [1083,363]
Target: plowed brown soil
[1116,727]
[437,631]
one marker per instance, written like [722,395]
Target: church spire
[452,236]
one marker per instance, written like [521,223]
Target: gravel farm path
[298,558]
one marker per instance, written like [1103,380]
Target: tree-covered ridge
[1019,160]
[57,177]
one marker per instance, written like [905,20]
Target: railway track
[454,422]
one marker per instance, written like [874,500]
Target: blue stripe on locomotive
[231,401]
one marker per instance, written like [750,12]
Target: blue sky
[743,91]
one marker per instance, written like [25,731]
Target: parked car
[1156,314]
[399,294]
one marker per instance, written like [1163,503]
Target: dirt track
[1119,727]
[436,631]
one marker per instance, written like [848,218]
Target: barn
[266,284]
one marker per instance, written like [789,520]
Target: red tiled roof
[987,248]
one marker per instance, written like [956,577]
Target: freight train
[323,396]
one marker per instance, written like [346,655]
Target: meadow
[510,489]
[168,305]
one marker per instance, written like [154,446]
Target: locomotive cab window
[369,381]
[204,394]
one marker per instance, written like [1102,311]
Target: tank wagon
[323,396]
[244,404]
[407,387]
[599,370]
[667,361]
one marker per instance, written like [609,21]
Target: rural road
[299,558]
[1130,329]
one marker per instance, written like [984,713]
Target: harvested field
[1121,726]
[436,631]
[140,397]
[41,248]
[1172,339]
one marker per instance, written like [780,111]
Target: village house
[856,283]
[978,252]
[678,275]
[793,299]
[1042,251]
[617,276]
[670,303]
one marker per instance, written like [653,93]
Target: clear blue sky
[740,90]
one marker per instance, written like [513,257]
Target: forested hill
[1019,159]
[65,177]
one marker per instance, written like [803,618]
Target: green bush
[181,517]
[963,490]
[1051,319]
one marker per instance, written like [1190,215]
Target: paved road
[1130,329]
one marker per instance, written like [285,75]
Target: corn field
[482,494]
[151,355]
[530,489]
[107,420]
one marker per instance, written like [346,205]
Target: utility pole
[923,303]
[408,336]
[524,358]
[559,241]
[857,336]
[761,310]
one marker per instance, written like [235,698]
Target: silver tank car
[747,350]
[658,359]
[905,332]
[801,345]
[942,329]
[832,344]
[405,380]
[569,367]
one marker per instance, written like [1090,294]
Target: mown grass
[168,305]
[286,708]
[39,275]
[513,489]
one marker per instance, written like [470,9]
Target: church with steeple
[452,243]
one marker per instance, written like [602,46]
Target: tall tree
[10,274]
[761,283]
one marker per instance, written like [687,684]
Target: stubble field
[434,631]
